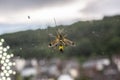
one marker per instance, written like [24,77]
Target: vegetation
[99,37]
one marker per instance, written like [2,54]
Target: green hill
[101,37]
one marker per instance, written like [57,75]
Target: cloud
[100,8]
[17,5]
[17,11]
[14,13]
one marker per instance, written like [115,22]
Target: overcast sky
[14,13]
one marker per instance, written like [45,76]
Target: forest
[92,38]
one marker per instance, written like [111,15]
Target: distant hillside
[101,37]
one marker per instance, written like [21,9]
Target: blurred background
[92,24]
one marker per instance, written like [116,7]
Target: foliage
[99,37]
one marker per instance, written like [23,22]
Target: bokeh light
[6,70]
